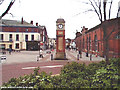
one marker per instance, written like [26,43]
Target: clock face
[60,26]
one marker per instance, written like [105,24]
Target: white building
[18,35]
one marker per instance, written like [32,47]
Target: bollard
[51,56]
[78,57]
[64,56]
[90,57]
[37,58]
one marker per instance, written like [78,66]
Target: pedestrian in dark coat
[10,50]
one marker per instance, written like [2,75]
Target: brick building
[20,35]
[93,40]
[43,37]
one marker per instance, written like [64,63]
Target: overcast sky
[46,12]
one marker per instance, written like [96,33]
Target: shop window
[2,46]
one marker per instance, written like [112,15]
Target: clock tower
[60,39]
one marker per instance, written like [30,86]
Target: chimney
[31,22]
[22,20]
[36,24]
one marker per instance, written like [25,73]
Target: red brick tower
[60,39]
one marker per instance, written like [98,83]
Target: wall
[97,46]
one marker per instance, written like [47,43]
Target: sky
[46,12]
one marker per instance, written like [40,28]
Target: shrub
[74,75]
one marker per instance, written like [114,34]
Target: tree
[8,8]
[1,1]
[100,8]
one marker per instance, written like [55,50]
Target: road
[21,63]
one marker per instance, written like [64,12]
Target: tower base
[60,56]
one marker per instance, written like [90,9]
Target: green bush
[74,75]
[35,80]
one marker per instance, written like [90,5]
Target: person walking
[10,50]
[80,53]
[41,53]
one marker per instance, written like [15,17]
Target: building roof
[109,22]
[60,20]
[6,22]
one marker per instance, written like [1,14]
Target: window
[10,37]
[117,36]
[32,37]
[17,30]
[17,45]
[3,46]
[32,30]
[26,37]
[89,43]
[26,30]
[96,42]
[17,37]
[1,37]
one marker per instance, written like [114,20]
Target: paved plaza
[84,58]
[31,56]
[22,57]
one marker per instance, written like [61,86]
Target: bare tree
[100,6]
[8,8]
[1,1]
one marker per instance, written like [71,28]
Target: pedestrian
[80,53]
[70,47]
[41,53]
[87,54]
[91,57]
[10,50]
